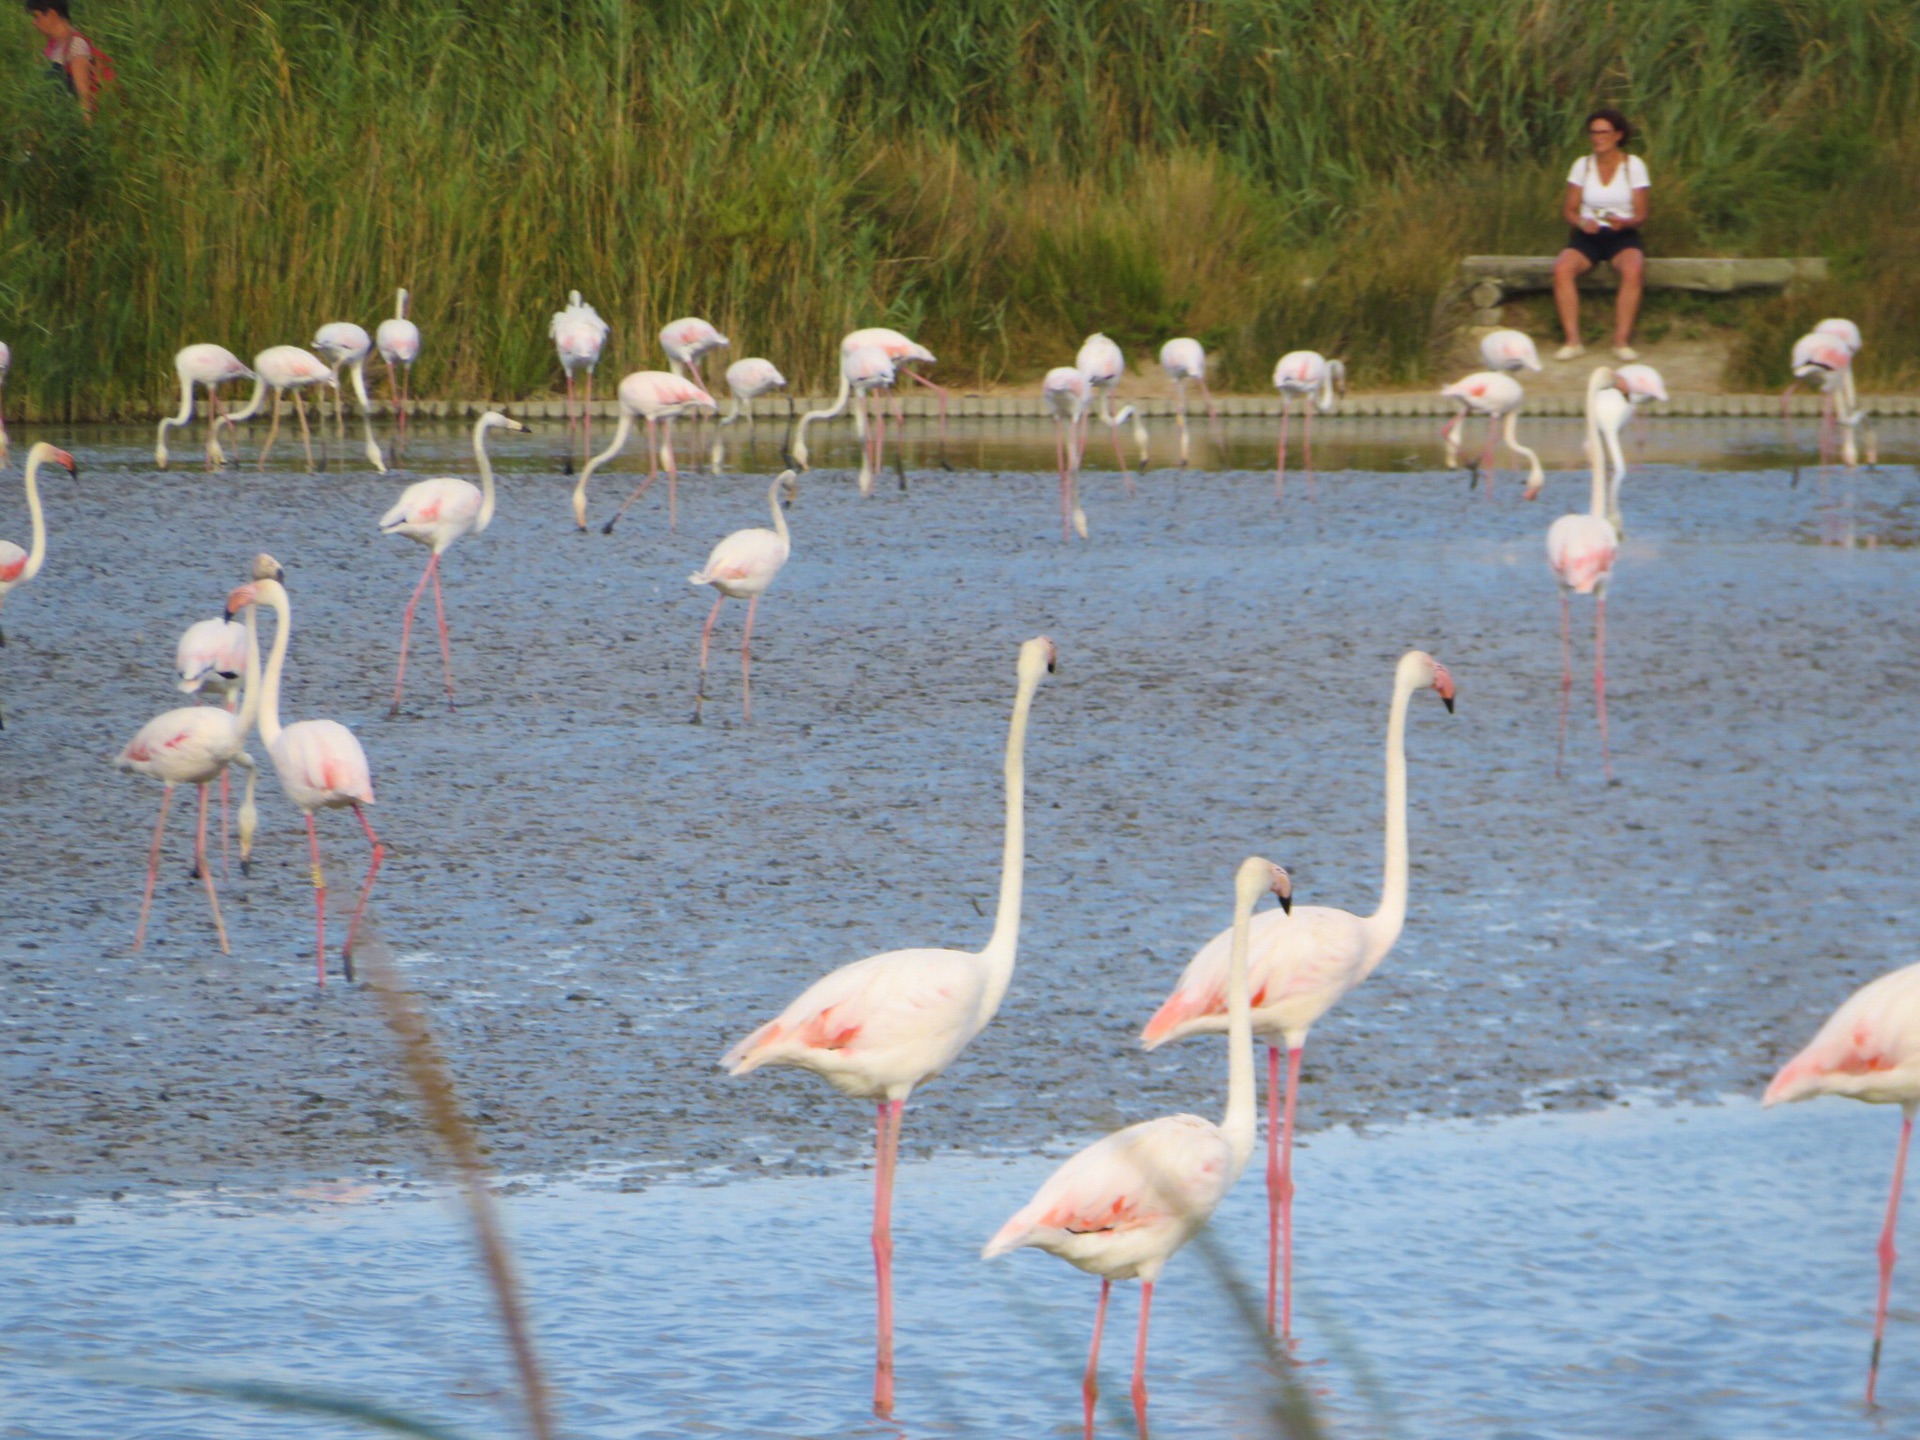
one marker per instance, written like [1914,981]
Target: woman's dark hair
[58,7]
[1615,119]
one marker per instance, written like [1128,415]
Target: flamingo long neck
[253,406]
[250,685]
[185,417]
[276,664]
[620,434]
[37,547]
[1384,924]
[359,373]
[1005,940]
[1238,1123]
[839,403]
[486,476]
[779,516]
[1597,502]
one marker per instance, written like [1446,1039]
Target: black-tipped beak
[1286,903]
[1447,700]
[230,612]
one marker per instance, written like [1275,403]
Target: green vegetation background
[996,178]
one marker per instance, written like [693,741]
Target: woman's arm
[1640,204]
[1570,212]
[86,84]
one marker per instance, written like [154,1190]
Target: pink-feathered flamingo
[18,566]
[1509,350]
[284,368]
[747,381]
[659,398]
[398,340]
[878,1027]
[209,366]
[1105,366]
[1186,363]
[436,513]
[343,344]
[320,764]
[1301,967]
[211,659]
[900,353]
[1581,549]
[1495,395]
[1123,1206]
[864,369]
[741,567]
[578,334]
[904,354]
[1826,359]
[1068,395]
[687,343]
[1316,379]
[1869,1049]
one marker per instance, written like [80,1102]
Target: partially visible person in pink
[71,55]
[1606,203]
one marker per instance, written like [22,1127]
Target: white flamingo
[343,343]
[1068,395]
[1581,549]
[1317,380]
[211,659]
[741,567]
[210,366]
[1186,363]
[578,334]
[18,566]
[1509,350]
[747,381]
[283,368]
[1102,362]
[659,397]
[1495,395]
[398,341]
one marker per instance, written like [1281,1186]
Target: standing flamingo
[1869,1049]
[343,343]
[320,764]
[436,513]
[747,381]
[1581,550]
[1301,968]
[1492,394]
[6,364]
[1316,379]
[1185,361]
[742,566]
[880,1026]
[195,745]
[904,353]
[901,353]
[211,659]
[578,335]
[1121,1207]
[211,366]
[1105,367]
[283,368]
[18,566]
[398,340]
[659,398]
[1509,350]
[687,342]
[1068,395]
[1827,358]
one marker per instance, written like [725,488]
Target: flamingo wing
[1298,968]
[1869,1048]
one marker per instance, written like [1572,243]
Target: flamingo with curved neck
[1494,394]
[1301,968]
[18,566]
[211,366]
[341,343]
[878,1027]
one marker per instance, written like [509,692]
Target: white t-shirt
[1603,201]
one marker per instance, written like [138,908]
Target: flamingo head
[1420,671]
[45,452]
[1257,875]
[1038,659]
[789,487]
[265,567]
[494,420]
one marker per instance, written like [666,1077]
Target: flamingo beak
[239,600]
[1443,686]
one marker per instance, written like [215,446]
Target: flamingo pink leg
[393,401]
[206,872]
[1090,1386]
[1306,448]
[406,395]
[1213,416]
[1140,1359]
[1119,455]
[366,887]
[941,392]
[1887,1252]
[886,1152]
[225,874]
[1280,1186]
[1600,678]
[153,868]
[1486,460]
[1060,453]
[1566,679]
[1280,463]
[706,635]
[446,645]
[746,664]
[673,473]
[406,631]
[319,904]
[573,422]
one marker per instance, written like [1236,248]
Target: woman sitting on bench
[1606,201]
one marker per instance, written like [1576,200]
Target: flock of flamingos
[878,1027]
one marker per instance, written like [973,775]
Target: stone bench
[1488,280]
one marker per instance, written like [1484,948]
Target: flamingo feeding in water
[900,353]
[284,368]
[320,764]
[1826,357]
[1123,1206]
[1185,362]
[747,381]
[18,566]
[687,342]
[343,343]
[659,398]
[210,366]
[578,335]
[1869,1049]
[863,370]
[741,567]
[1068,395]
[878,1027]
[1509,350]
[1301,967]
[1316,379]
[1495,395]
[398,340]
[1581,549]
[1102,362]
[436,513]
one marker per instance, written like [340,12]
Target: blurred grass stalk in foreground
[996,179]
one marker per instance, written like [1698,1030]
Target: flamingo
[1068,395]
[1101,361]
[211,659]
[687,342]
[1185,361]
[436,513]
[880,1026]
[1869,1049]
[1827,358]
[747,381]
[900,352]
[320,764]
[1509,350]
[6,364]
[18,566]
[742,566]
[195,745]
[398,340]
[281,368]
[1123,1206]
[343,343]
[659,398]
[211,366]
[1492,394]
[1581,549]
[578,335]
[1301,968]
[1313,377]
[903,352]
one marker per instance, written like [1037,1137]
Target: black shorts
[1605,244]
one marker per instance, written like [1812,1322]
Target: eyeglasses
[1603,130]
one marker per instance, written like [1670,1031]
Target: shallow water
[1692,1271]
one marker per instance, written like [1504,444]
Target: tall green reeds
[996,177]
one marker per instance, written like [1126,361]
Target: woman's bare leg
[1630,266]
[1570,266]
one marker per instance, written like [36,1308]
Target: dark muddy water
[595,897]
